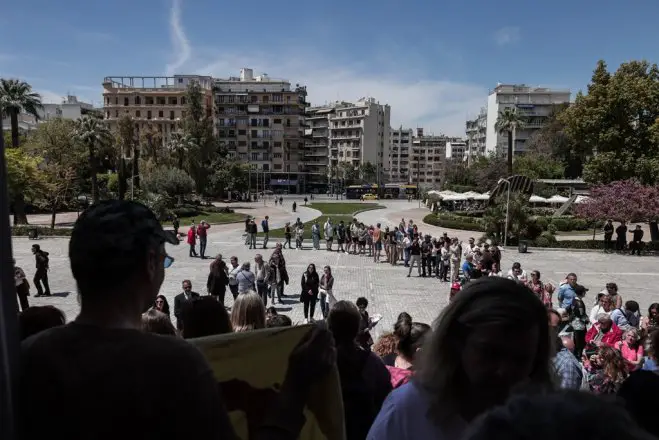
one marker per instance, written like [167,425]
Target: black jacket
[217,282]
[309,282]
[41,259]
[180,305]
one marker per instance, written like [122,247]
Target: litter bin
[523,246]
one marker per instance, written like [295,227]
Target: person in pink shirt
[631,349]
[192,239]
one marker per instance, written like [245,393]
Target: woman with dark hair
[492,338]
[161,305]
[309,295]
[650,323]
[411,336]
[218,279]
[607,370]
[205,317]
[39,318]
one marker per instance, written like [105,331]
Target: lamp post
[505,234]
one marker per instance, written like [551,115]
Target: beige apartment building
[399,154]
[428,158]
[152,100]
[261,121]
[320,176]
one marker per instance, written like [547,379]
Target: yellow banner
[250,368]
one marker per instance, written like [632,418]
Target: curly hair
[386,344]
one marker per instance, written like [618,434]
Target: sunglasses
[168,261]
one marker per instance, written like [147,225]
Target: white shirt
[232,275]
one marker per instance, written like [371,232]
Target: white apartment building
[359,133]
[535,104]
[476,131]
[457,151]
[68,108]
[400,142]
[316,149]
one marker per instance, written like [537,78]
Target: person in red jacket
[192,239]
[202,234]
[605,332]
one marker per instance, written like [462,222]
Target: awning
[557,199]
[537,199]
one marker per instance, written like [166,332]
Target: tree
[93,134]
[368,172]
[509,121]
[126,141]
[615,125]
[151,143]
[349,172]
[227,176]
[15,97]
[538,166]
[23,178]
[61,156]
[181,145]
[625,200]
[172,182]
[519,218]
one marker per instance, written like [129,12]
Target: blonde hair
[248,312]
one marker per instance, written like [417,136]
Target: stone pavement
[387,289]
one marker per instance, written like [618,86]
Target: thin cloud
[507,35]
[180,42]
[440,106]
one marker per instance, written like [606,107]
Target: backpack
[358,400]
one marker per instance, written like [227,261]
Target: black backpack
[358,400]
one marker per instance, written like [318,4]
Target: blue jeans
[406,253]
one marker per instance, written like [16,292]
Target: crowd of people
[473,373]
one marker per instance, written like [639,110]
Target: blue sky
[433,62]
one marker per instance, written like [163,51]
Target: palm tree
[509,121]
[93,134]
[17,96]
[180,144]
[151,139]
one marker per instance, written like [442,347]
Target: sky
[434,63]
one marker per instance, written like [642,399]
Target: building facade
[320,176]
[359,134]
[476,131]
[428,159]
[159,102]
[535,105]
[261,122]
[400,143]
[457,151]
[68,108]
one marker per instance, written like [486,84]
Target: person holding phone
[309,295]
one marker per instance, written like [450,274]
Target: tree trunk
[654,231]
[510,153]
[92,172]
[136,168]
[15,137]
[53,215]
[20,218]
[122,178]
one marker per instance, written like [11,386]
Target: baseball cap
[118,227]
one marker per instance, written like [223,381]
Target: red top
[611,338]
[192,238]
[201,229]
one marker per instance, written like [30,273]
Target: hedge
[187,210]
[452,221]
[652,246]
[24,231]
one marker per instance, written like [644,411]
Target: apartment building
[535,105]
[457,151]
[154,101]
[261,121]
[68,108]
[427,159]
[359,133]
[400,142]
[476,131]
[320,177]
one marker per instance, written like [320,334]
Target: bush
[546,239]
[542,222]
[187,210]
[561,224]
[532,230]
[592,244]
[551,228]
[25,230]
[169,181]
[454,222]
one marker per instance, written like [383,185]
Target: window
[242,143]
[277,144]
[125,101]
[266,166]
[254,122]
[230,99]
[220,122]
[288,168]
[255,133]
[116,113]
[148,100]
[232,133]
[277,155]
[265,133]
[183,101]
[160,100]
[266,99]
[255,144]
[254,98]
[266,144]
[222,133]
[116,100]
[173,101]
[266,156]
[171,115]
[277,121]
[220,99]
[242,132]
[138,100]
[277,166]
[161,114]
[288,122]
[266,123]
[137,114]
[148,114]
[277,97]
[255,156]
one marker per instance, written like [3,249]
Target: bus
[390,190]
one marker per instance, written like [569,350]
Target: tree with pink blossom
[624,200]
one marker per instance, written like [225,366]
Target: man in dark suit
[182,300]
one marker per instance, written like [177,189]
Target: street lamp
[505,234]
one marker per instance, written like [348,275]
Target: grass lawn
[336,211]
[213,218]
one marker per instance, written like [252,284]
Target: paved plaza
[387,288]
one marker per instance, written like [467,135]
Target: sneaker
[305,321]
